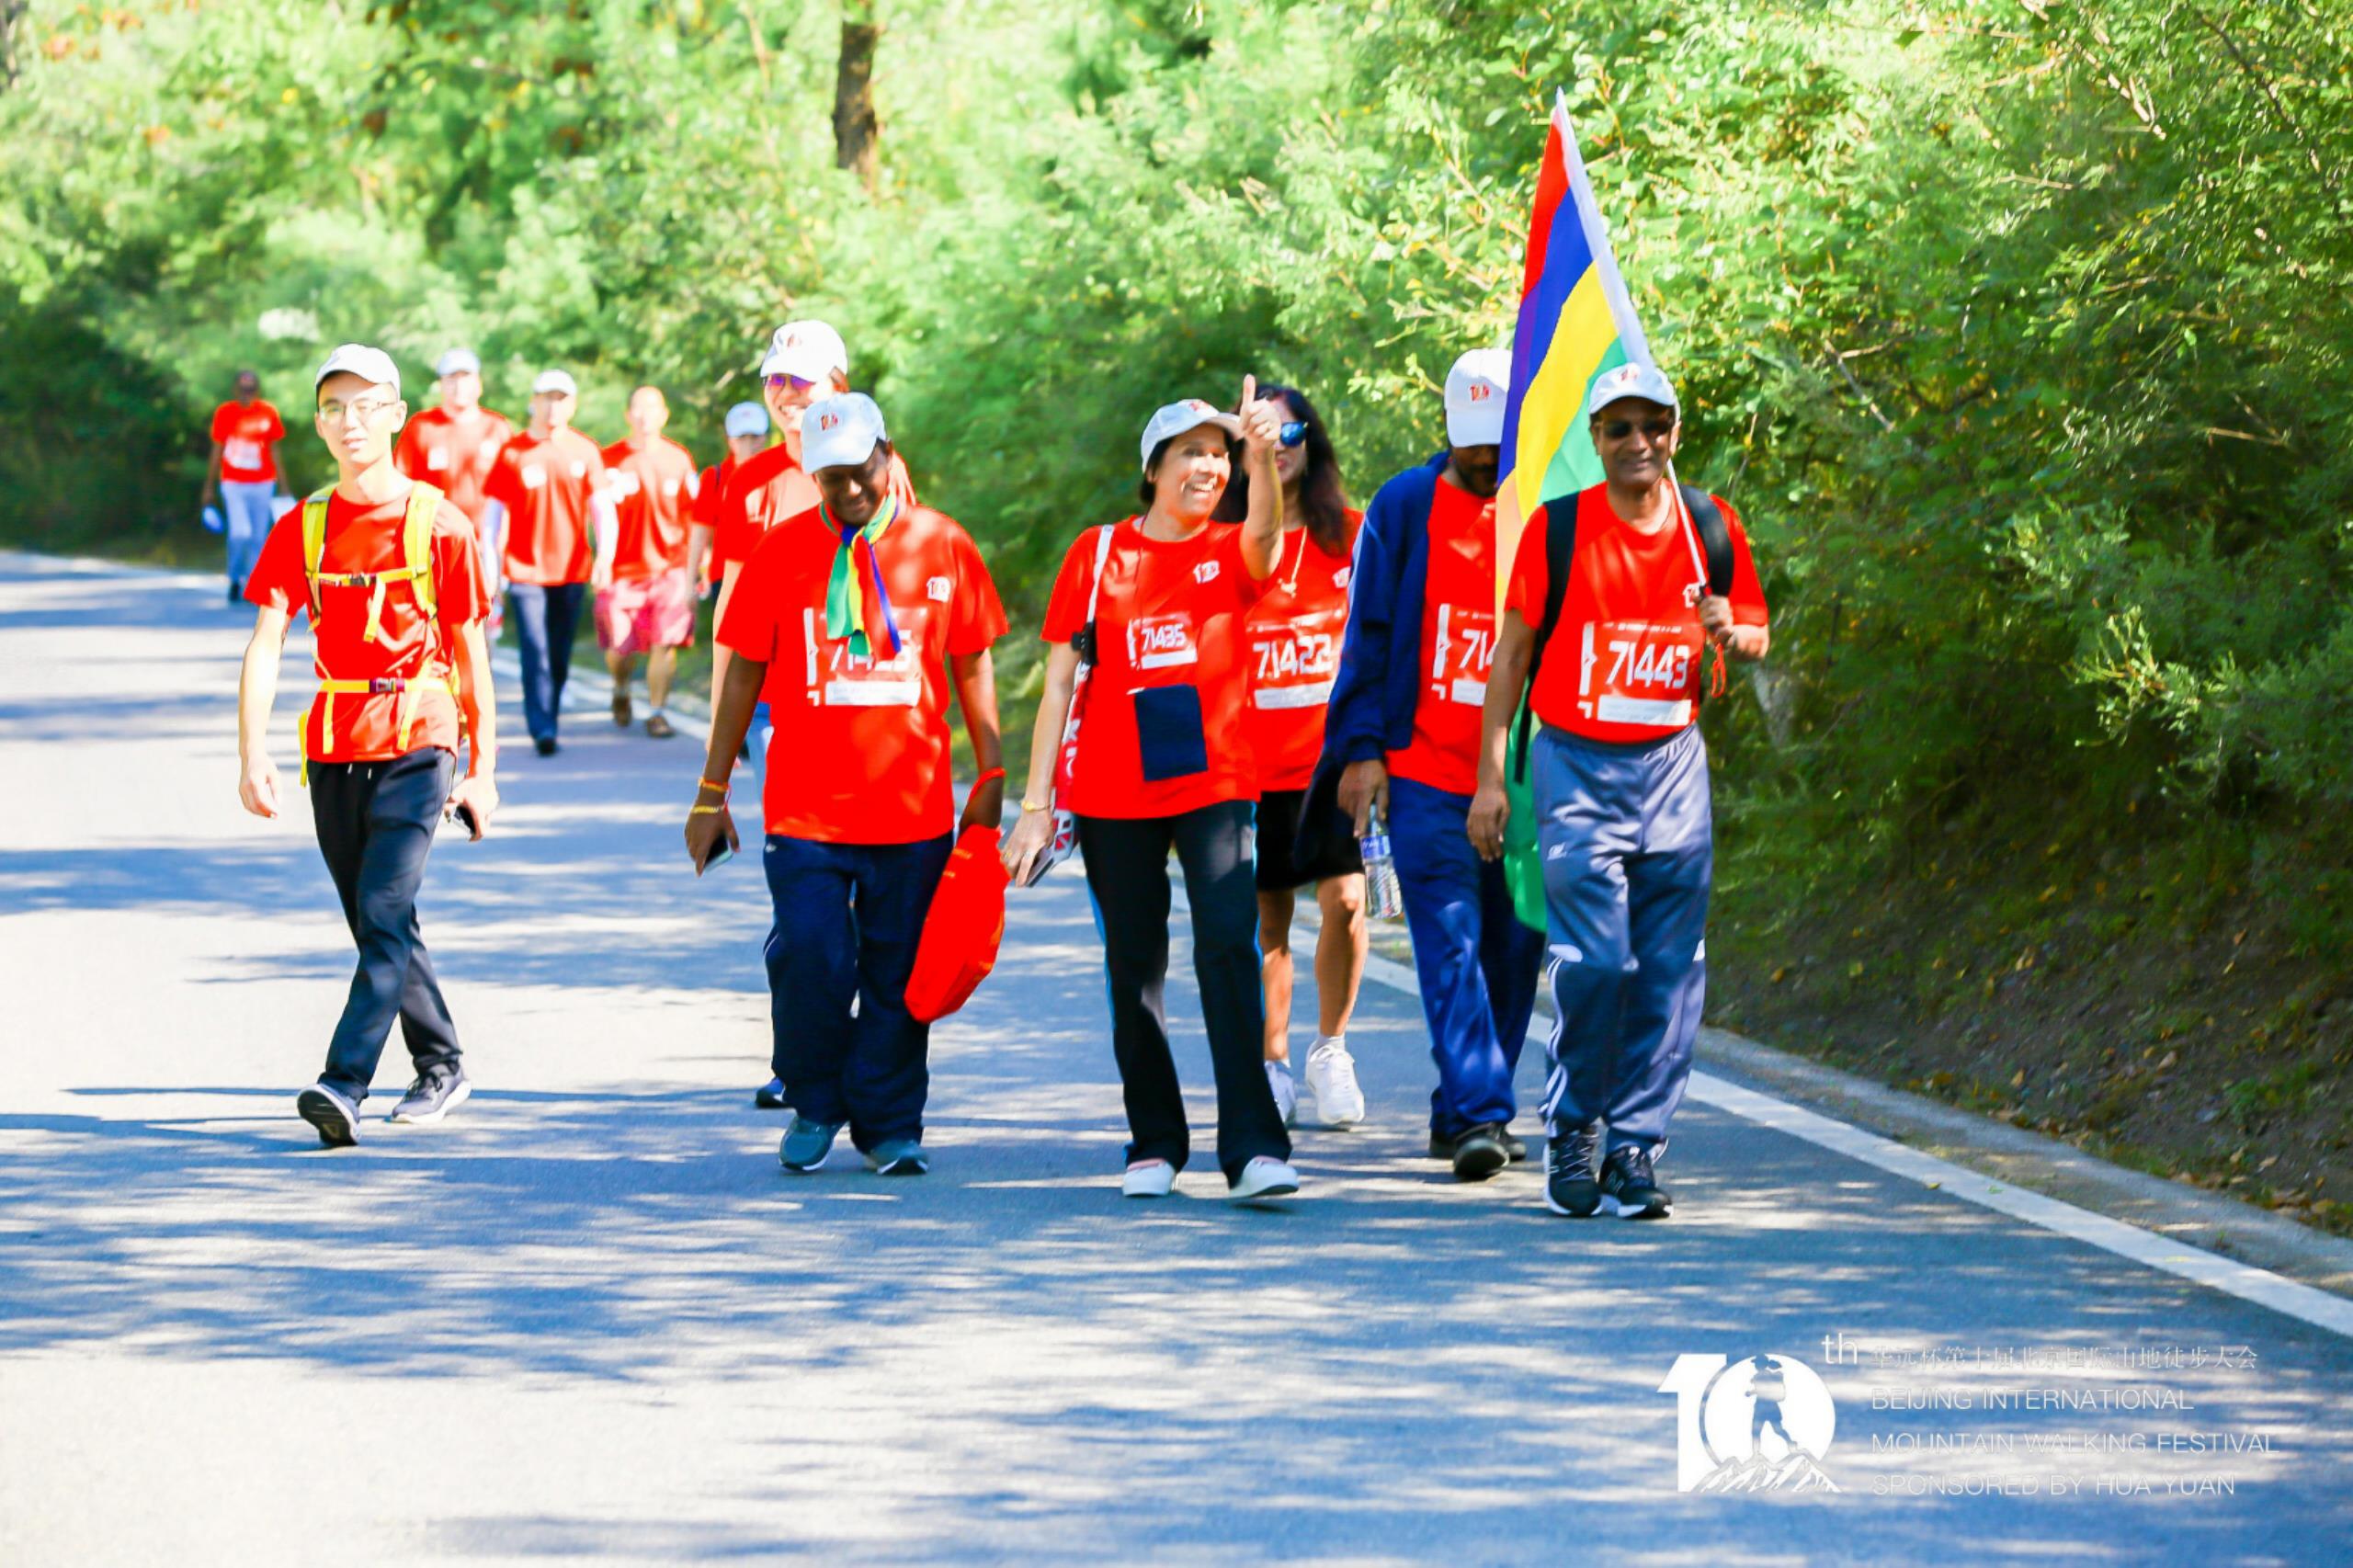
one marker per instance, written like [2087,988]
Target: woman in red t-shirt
[1293,635]
[1156,604]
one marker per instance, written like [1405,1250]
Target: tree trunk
[11,13]
[855,127]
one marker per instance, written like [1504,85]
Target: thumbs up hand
[1261,422]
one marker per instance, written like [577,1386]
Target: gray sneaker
[807,1142]
[336,1119]
[437,1091]
[899,1156]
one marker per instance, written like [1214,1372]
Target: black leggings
[1127,870]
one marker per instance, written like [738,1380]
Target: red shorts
[641,614]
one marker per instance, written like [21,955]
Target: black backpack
[1560,551]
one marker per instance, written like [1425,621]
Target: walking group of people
[1244,673]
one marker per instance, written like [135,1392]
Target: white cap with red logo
[840,431]
[809,349]
[1477,390]
[1173,419]
[1644,382]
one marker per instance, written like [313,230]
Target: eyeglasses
[1295,432]
[367,410]
[1656,430]
[793,383]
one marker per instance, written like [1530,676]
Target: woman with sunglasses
[1155,604]
[1294,634]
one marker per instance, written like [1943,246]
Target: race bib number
[579,470]
[238,452]
[670,489]
[1162,642]
[839,678]
[1462,654]
[1293,662]
[437,459]
[624,481]
[534,477]
[1637,672]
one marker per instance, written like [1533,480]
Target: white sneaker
[1148,1178]
[1331,1079]
[1286,1089]
[1263,1177]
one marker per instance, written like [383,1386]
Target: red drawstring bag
[961,934]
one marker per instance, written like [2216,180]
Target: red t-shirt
[1170,615]
[546,486]
[860,754]
[1294,635]
[367,538]
[708,496]
[245,432]
[452,454]
[654,488]
[1624,662]
[767,490]
[1458,644]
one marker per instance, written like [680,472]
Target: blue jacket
[1371,710]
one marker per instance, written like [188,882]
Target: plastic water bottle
[214,523]
[1383,900]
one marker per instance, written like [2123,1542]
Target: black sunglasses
[1295,432]
[1656,430]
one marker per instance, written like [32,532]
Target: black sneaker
[1479,1153]
[437,1091]
[1442,1147]
[1628,1189]
[769,1095]
[1570,1186]
[336,1117]
[544,743]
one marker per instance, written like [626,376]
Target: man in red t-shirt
[545,490]
[395,597]
[647,604]
[453,448]
[1403,730]
[243,472]
[852,621]
[1620,777]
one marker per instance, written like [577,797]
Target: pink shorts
[643,614]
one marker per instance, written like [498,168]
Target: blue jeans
[545,619]
[849,917]
[375,822]
[1627,836]
[1476,963]
[248,512]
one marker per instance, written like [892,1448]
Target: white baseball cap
[840,431]
[1477,390]
[746,419]
[374,365]
[809,349]
[458,362]
[559,381]
[1643,381]
[1177,418]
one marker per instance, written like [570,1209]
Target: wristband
[1028,806]
[705,811]
[992,773]
[708,784]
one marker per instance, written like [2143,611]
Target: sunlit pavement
[590,1317]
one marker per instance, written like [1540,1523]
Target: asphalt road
[590,1319]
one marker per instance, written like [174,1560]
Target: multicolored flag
[1576,322]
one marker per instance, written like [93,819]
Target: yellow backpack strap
[315,546]
[416,545]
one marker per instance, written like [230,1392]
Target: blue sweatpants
[1476,963]
[849,917]
[1627,845]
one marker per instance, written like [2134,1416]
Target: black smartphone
[720,854]
[467,820]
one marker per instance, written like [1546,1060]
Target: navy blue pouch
[1168,733]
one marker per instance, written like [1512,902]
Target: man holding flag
[1618,591]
